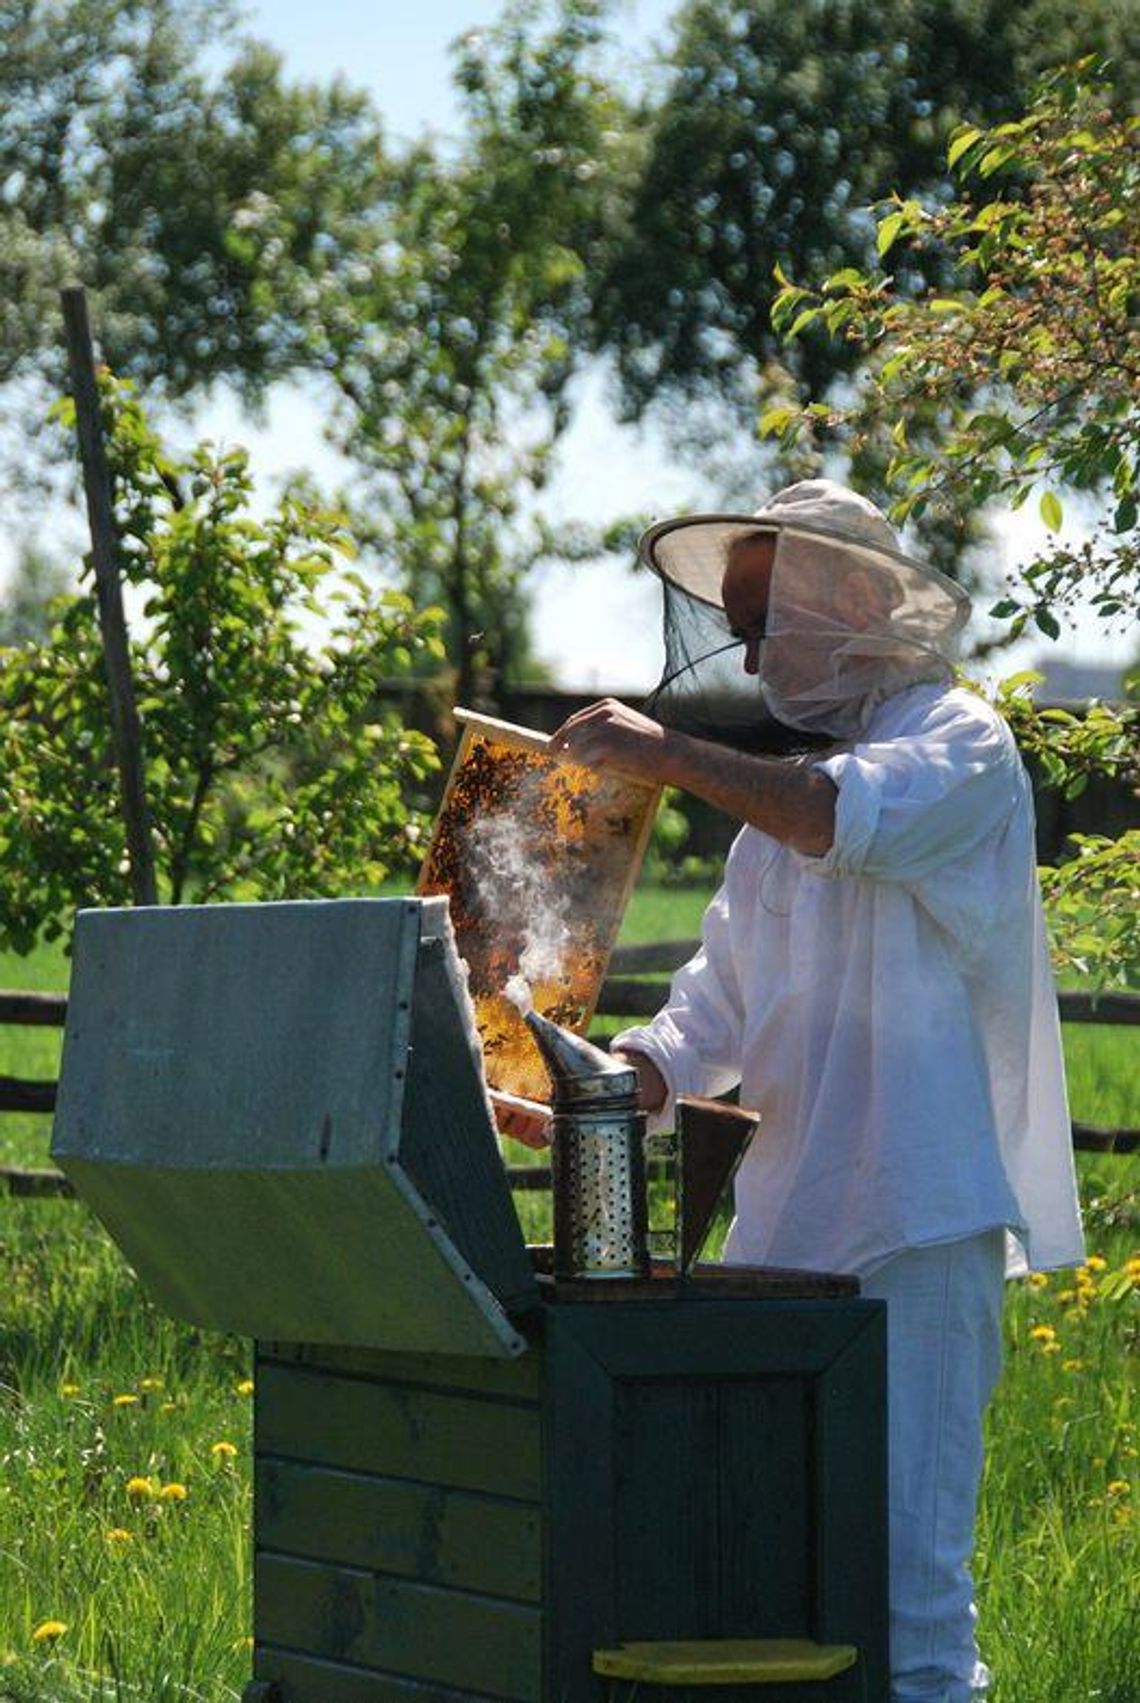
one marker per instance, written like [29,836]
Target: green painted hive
[470,1480]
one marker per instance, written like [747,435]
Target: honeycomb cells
[538,857]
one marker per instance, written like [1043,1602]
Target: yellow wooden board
[726,1661]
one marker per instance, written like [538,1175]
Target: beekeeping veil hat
[850,619]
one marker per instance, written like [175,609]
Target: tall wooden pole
[126,733]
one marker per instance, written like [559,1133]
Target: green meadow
[124,1438]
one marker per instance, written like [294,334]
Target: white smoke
[512,883]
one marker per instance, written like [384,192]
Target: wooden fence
[635,987]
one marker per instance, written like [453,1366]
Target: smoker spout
[580,1073]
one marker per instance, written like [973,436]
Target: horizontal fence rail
[637,986]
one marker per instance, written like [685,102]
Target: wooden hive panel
[278,1109]
[398,1526]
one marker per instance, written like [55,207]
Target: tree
[126,167]
[1021,377]
[269,771]
[778,127]
[446,316]
[37,580]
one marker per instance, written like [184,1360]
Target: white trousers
[943,1360]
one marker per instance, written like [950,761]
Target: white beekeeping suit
[886,1006]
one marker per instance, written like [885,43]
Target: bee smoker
[598,1158]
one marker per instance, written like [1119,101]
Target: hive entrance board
[538,858]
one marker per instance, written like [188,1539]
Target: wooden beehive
[436,1530]
[469,1478]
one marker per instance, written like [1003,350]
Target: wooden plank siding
[398,1430]
[398,1627]
[298,1678]
[450,1538]
[398,1531]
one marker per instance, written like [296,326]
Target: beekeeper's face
[744,592]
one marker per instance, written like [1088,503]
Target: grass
[106,1405]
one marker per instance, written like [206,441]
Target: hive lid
[279,1113]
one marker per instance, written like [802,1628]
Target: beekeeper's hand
[527,1121]
[609,734]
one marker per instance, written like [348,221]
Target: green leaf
[802,321]
[994,158]
[776,420]
[1047,623]
[1052,513]
[1125,517]
[1115,1285]
[888,232]
[962,140]
[850,278]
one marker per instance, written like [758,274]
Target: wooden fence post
[126,733]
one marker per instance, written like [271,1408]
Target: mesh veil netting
[847,625]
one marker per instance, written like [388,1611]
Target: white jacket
[888,1009]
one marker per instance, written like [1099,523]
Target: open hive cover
[537,857]
[278,1111]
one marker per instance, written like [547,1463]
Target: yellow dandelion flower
[173,1493]
[223,1450]
[1064,1296]
[169,1407]
[1038,1280]
[69,1389]
[1043,1333]
[125,1401]
[139,1487]
[48,1631]
[151,1384]
[1072,1365]
[118,1535]
[1095,1262]
[245,1388]
[1074,1315]
[1121,1514]
[1050,1348]
[1119,1487]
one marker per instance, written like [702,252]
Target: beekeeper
[872,973]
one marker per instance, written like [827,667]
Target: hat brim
[698,567]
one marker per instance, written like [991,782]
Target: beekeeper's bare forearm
[790,801]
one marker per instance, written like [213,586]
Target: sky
[398,49]
[596,625]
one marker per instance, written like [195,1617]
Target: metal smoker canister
[598,1158]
